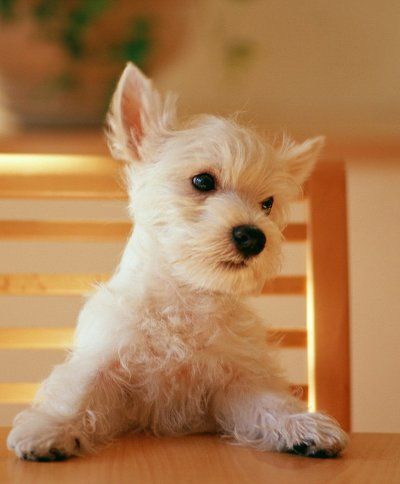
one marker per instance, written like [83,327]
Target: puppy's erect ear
[137,111]
[299,159]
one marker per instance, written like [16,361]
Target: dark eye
[204,182]
[267,205]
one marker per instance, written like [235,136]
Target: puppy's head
[211,193]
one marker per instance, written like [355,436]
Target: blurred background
[309,66]
[314,67]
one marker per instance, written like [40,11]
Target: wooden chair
[327,292]
[88,177]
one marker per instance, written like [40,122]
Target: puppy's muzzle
[248,239]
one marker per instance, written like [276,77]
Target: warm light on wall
[38,164]
[60,176]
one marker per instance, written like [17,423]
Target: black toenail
[308,449]
[57,454]
[323,454]
[301,449]
[43,458]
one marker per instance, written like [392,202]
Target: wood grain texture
[78,142]
[77,186]
[59,338]
[60,176]
[296,232]
[17,393]
[294,285]
[199,459]
[36,338]
[49,284]
[75,284]
[64,230]
[329,282]
[289,337]
[97,230]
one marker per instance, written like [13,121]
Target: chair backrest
[81,177]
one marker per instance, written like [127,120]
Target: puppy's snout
[249,240]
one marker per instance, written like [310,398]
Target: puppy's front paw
[314,435]
[40,437]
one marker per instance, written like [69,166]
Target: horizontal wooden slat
[17,392]
[295,285]
[63,230]
[32,165]
[23,393]
[84,187]
[295,232]
[287,337]
[57,176]
[73,284]
[89,141]
[60,176]
[49,284]
[78,141]
[36,338]
[55,338]
[93,230]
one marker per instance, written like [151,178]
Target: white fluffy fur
[167,345]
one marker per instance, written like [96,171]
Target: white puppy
[167,345]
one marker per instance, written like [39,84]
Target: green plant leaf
[7,9]
[137,47]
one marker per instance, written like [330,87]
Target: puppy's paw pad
[52,455]
[45,451]
[314,435]
[39,437]
[309,449]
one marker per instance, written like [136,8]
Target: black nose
[249,240]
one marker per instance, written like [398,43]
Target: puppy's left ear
[137,112]
[299,159]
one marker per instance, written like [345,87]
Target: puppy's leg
[81,405]
[277,421]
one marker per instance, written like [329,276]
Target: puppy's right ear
[137,111]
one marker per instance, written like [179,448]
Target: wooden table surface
[370,458]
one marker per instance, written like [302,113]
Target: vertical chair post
[328,305]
